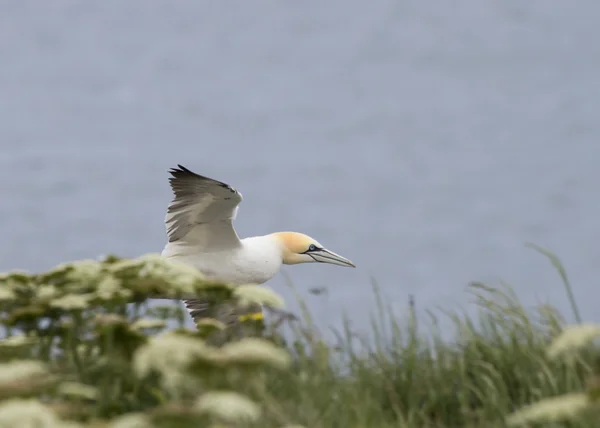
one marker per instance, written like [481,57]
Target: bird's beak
[326,256]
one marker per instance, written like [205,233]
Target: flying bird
[199,223]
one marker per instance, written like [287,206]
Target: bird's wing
[233,315]
[202,211]
[226,312]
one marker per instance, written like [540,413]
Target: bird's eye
[312,247]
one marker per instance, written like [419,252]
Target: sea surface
[426,141]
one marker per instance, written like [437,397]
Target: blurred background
[425,141]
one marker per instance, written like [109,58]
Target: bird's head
[300,248]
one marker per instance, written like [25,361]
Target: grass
[104,364]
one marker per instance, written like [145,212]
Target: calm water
[425,141]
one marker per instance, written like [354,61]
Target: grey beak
[326,256]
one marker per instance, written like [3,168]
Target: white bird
[200,233]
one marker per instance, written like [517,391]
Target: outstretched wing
[202,211]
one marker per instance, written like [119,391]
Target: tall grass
[76,352]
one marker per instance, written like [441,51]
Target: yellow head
[300,248]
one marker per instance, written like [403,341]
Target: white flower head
[79,271]
[552,409]
[6,294]
[30,414]
[18,341]
[147,323]
[573,338]
[75,389]
[72,302]
[110,287]
[256,351]
[181,276]
[258,294]
[170,355]
[46,292]
[210,324]
[132,420]
[16,371]
[228,406]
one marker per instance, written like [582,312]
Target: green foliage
[82,347]
[81,344]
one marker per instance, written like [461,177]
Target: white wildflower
[146,323]
[72,301]
[75,389]
[85,270]
[46,292]
[170,355]
[110,319]
[6,294]
[168,351]
[228,406]
[210,324]
[573,338]
[110,287]
[80,271]
[551,409]
[258,294]
[181,276]
[17,341]
[255,351]
[132,420]
[15,277]
[28,414]
[16,371]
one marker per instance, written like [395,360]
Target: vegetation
[81,347]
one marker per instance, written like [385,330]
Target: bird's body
[255,261]
[200,229]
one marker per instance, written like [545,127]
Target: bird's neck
[276,243]
[267,244]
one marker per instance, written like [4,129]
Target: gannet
[199,223]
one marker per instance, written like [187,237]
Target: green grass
[404,375]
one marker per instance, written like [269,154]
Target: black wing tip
[180,170]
